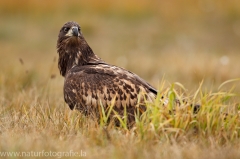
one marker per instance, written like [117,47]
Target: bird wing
[90,85]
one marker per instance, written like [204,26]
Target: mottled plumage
[90,81]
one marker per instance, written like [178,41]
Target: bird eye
[65,29]
[78,29]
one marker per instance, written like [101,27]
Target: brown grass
[174,41]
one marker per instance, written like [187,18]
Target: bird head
[70,33]
[73,48]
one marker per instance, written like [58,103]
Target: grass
[193,43]
[34,122]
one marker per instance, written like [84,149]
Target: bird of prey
[91,83]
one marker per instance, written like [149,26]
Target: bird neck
[79,55]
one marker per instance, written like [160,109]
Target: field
[184,48]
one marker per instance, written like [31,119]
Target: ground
[184,48]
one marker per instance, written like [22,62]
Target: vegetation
[187,49]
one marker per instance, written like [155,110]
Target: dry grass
[164,42]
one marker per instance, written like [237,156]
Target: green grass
[35,120]
[186,49]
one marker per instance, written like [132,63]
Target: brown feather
[89,81]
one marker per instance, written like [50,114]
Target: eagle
[91,84]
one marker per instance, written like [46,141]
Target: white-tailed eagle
[91,83]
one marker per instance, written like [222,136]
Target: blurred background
[182,41]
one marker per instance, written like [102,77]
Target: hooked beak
[73,32]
